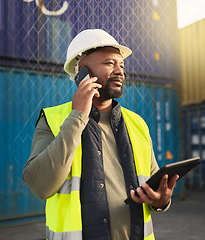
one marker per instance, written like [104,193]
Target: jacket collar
[115,115]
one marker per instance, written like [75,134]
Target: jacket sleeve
[51,157]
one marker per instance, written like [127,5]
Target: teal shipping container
[23,94]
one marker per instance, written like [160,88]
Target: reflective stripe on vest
[63,210]
[63,235]
[69,185]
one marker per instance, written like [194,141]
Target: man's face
[107,64]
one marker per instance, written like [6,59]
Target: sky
[190,11]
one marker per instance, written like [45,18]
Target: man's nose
[118,70]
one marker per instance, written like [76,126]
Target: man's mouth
[116,80]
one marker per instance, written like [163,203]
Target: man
[87,156]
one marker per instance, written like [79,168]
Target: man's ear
[79,67]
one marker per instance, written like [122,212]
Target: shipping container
[194,143]
[23,94]
[192,51]
[35,33]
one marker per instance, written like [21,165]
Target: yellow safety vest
[63,210]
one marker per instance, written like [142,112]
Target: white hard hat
[90,39]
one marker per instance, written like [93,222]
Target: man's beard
[107,92]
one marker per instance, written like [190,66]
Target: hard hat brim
[69,65]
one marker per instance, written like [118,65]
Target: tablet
[181,168]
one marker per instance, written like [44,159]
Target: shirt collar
[115,114]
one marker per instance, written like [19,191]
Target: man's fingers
[89,85]
[164,182]
[87,82]
[172,181]
[83,97]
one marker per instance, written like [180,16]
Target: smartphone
[83,74]
[181,168]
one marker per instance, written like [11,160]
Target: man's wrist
[160,209]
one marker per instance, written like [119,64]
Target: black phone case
[82,75]
[181,168]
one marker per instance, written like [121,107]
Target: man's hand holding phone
[87,89]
